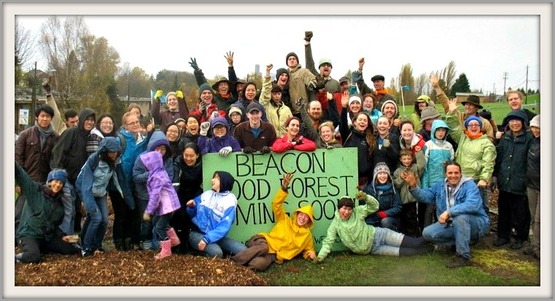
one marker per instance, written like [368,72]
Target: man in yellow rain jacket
[288,238]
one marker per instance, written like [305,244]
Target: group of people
[423,179]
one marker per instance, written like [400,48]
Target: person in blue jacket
[213,214]
[92,185]
[461,216]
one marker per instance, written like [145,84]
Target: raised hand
[204,128]
[229,57]
[194,64]
[452,104]
[286,181]
[434,80]
[360,63]
[269,67]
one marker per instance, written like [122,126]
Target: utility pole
[33,97]
[526,94]
[494,94]
[505,85]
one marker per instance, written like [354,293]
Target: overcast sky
[482,47]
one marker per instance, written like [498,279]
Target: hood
[152,161]
[515,114]
[109,144]
[158,138]
[438,123]
[226,181]
[381,166]
[84,114]
[308,210]
[219,120]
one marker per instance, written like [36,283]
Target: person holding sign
[288,238]
[292,140]
[221,142]
[349,224]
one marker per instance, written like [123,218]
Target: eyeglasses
[473,124]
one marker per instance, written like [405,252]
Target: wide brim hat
[221,80]
[474,100]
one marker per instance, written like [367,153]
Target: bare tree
[24,49]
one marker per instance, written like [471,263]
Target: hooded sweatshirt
[354,233]
[140,171]
[436,152]
[95,175]
[287,239]
[70,153]
[214,211]
[162,198]
[215,144]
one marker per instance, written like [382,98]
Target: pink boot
[173,237]
[165,249]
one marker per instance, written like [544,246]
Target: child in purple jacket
[162,203]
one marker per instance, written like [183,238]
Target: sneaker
[86,252]
[500,242]
[517,244]
[458,262]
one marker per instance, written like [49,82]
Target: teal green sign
[320,178]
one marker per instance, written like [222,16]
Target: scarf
[225,96]
[472,136]
[44,133]
[381,92]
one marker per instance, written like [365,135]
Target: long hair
[368,133]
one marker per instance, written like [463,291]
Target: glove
[179,94]
[313,85]
[248,150]
[308,35]
[265,149]
[356,76]
[203,107]
[382,214]
[194,64]
[329,96]
[493,183]
[204,128]
[146,217]
[46,86]
[225,151]
[386,143]
[361,195]
[158,94]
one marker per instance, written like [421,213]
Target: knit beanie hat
[535,122]
[204,87]
[57,174]
[390,101]
[355,97]
[235,109]
[291,54]
[325,61]
[381,167]
[280,71]
[473,117]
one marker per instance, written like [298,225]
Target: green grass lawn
[490,267]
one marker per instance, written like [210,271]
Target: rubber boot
[173,237]
[165,249]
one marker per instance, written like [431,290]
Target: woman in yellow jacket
[288,238]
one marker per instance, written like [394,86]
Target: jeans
[161,224]
[534,204]
[68,199]
[386,242]
[216,249]
[464,228]
[95,225]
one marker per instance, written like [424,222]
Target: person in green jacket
[349,224]
[39,230]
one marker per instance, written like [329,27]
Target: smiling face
[206,96]
[293,128]
[190,157]
[172,103]
[302,219]
[345,212]
[378,85]
[172,133]
[383,126]
[315,110]
[389,110]
[515,125]
[56,186]
[106,125]
[254,117]
[453,174]
[368,103]
[219,130]
[223,88]
[44,119]
[89,123]
[355,106]
[192,126]
[283,79]
[361,122]
[515,102]
[250,92]
[326,134]
[473,127]
[382,177]
[407,131]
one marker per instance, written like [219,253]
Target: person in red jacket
[292,140]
